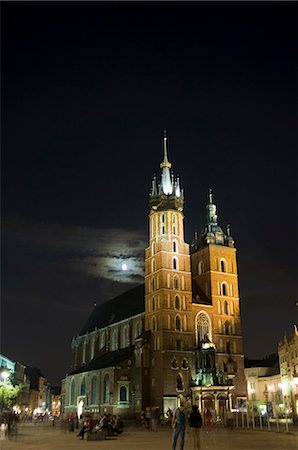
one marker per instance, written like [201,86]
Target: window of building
[227,327]
[103,339]
[180,384]
[115,339]
[223,265]
[203,327]
[125,337]
[200,267]
[226,308]
[153,304]
[232,308]
[177,323]
[153,284]
[72,393]
[94,391]
[123,394]
[175,264]
[153,265]
[174,246]
[177,302]
[176,283]
[174,364]
[184,363]
[224,289]
[106,389]
[178,345]
[83,387]
[153,248]
[153,324]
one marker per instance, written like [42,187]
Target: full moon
[124,266]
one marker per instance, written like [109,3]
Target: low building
[288,360]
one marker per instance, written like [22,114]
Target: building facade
[288,361]
[178,335]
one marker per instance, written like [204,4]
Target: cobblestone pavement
[45,437]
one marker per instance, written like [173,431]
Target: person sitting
[83,430]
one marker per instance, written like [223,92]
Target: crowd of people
[112,424]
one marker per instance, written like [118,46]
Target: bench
[99,435]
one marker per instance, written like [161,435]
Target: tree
[9,394]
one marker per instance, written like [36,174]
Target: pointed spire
[211,210]
[165,162]
[165,166]
[210,196]
[154,186]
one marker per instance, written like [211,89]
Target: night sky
[87,90]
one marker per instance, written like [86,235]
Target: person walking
[208,420]
[178,424]
[195,422]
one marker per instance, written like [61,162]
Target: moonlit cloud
[98,252]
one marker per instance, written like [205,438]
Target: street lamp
[4,375]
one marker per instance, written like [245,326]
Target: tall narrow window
[223,265]
[72,393]
[153,248]
[200,267]
[153,265]
[177,323]
[203,327]
[177,302]
[175,264]
[224,289]
[174,224]
[94,391]
[174,246]
[226,308]
[106,389]
[176,283]
[153,324]
[83,387]
[153,304]
[123,394]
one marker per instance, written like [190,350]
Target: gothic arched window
[153,265]
[94,391]
[177,323]
[125,337]
[106,389]
[176,283]
[175,264]
[123,394]
[177,302]
[72,393]
[203,326]
[224,289]
[223,265]
[83,387]
[115,340]
[200,267]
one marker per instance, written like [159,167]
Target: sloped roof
[202,297]
[129,304]
[109,359]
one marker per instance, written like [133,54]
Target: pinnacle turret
[167,194]
[212,233]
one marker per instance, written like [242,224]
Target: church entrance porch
[216,398]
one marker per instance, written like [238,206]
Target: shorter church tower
[219,346]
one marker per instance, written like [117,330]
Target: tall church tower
[215,289]
[168,294]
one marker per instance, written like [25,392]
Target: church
[178,335]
